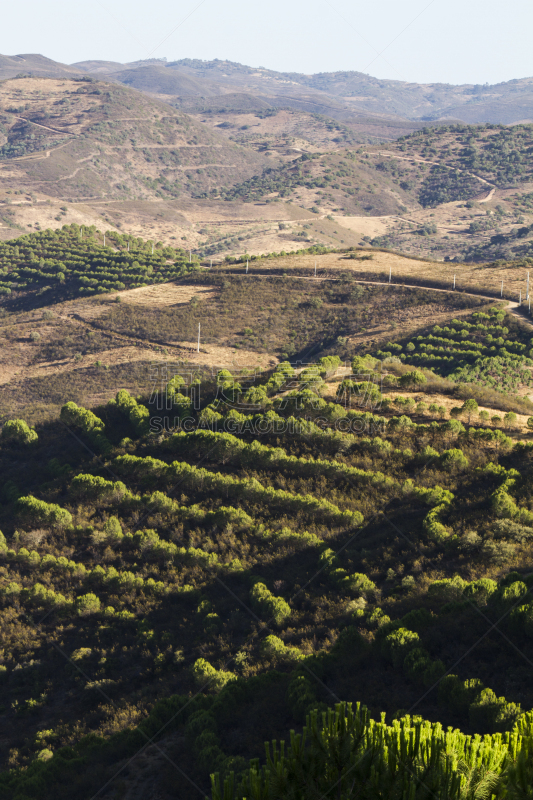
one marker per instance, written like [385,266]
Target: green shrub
[40,512]
[207,677]
[397,644]
[269,606]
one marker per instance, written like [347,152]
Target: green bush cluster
[18,431]
[138,415]
[270,607]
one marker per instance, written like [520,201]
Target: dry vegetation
[95,153]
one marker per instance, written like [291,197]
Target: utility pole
[315,269]
[527,295]
[211,263]
[198,348]
[454,281]
[247,266]
[152,248]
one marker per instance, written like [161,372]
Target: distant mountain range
[203,85]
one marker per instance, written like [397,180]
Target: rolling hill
[341,95]
[237,174]
[346,95]
[280,498]
[36,65]
[84,139]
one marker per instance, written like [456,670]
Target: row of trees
[79,260]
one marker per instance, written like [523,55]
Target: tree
[113,529]
[87,604]
[398,643]
[269,605]
[206,676]
[510,419]
[413,379]
[453,459]
[17,430]
[470,407]
[139,415]
[45,513]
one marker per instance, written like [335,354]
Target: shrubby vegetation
[496,153]
[305,537]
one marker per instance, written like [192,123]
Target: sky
[423,41]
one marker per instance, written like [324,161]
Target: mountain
[342,95]
[156,79]
[221,170]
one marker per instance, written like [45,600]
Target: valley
[266,409]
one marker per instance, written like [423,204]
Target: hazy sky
[453,41]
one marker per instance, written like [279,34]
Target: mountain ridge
[342,94]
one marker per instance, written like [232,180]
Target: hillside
[266,436]
[192,572]
[35,65]
[80,317]
[342,95]
[488,167]
[328,502]
[81,140]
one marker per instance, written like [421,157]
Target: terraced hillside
[81,139]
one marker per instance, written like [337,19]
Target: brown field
[72,358]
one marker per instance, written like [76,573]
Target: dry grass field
[164,294]
[48,356]
[378,265]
